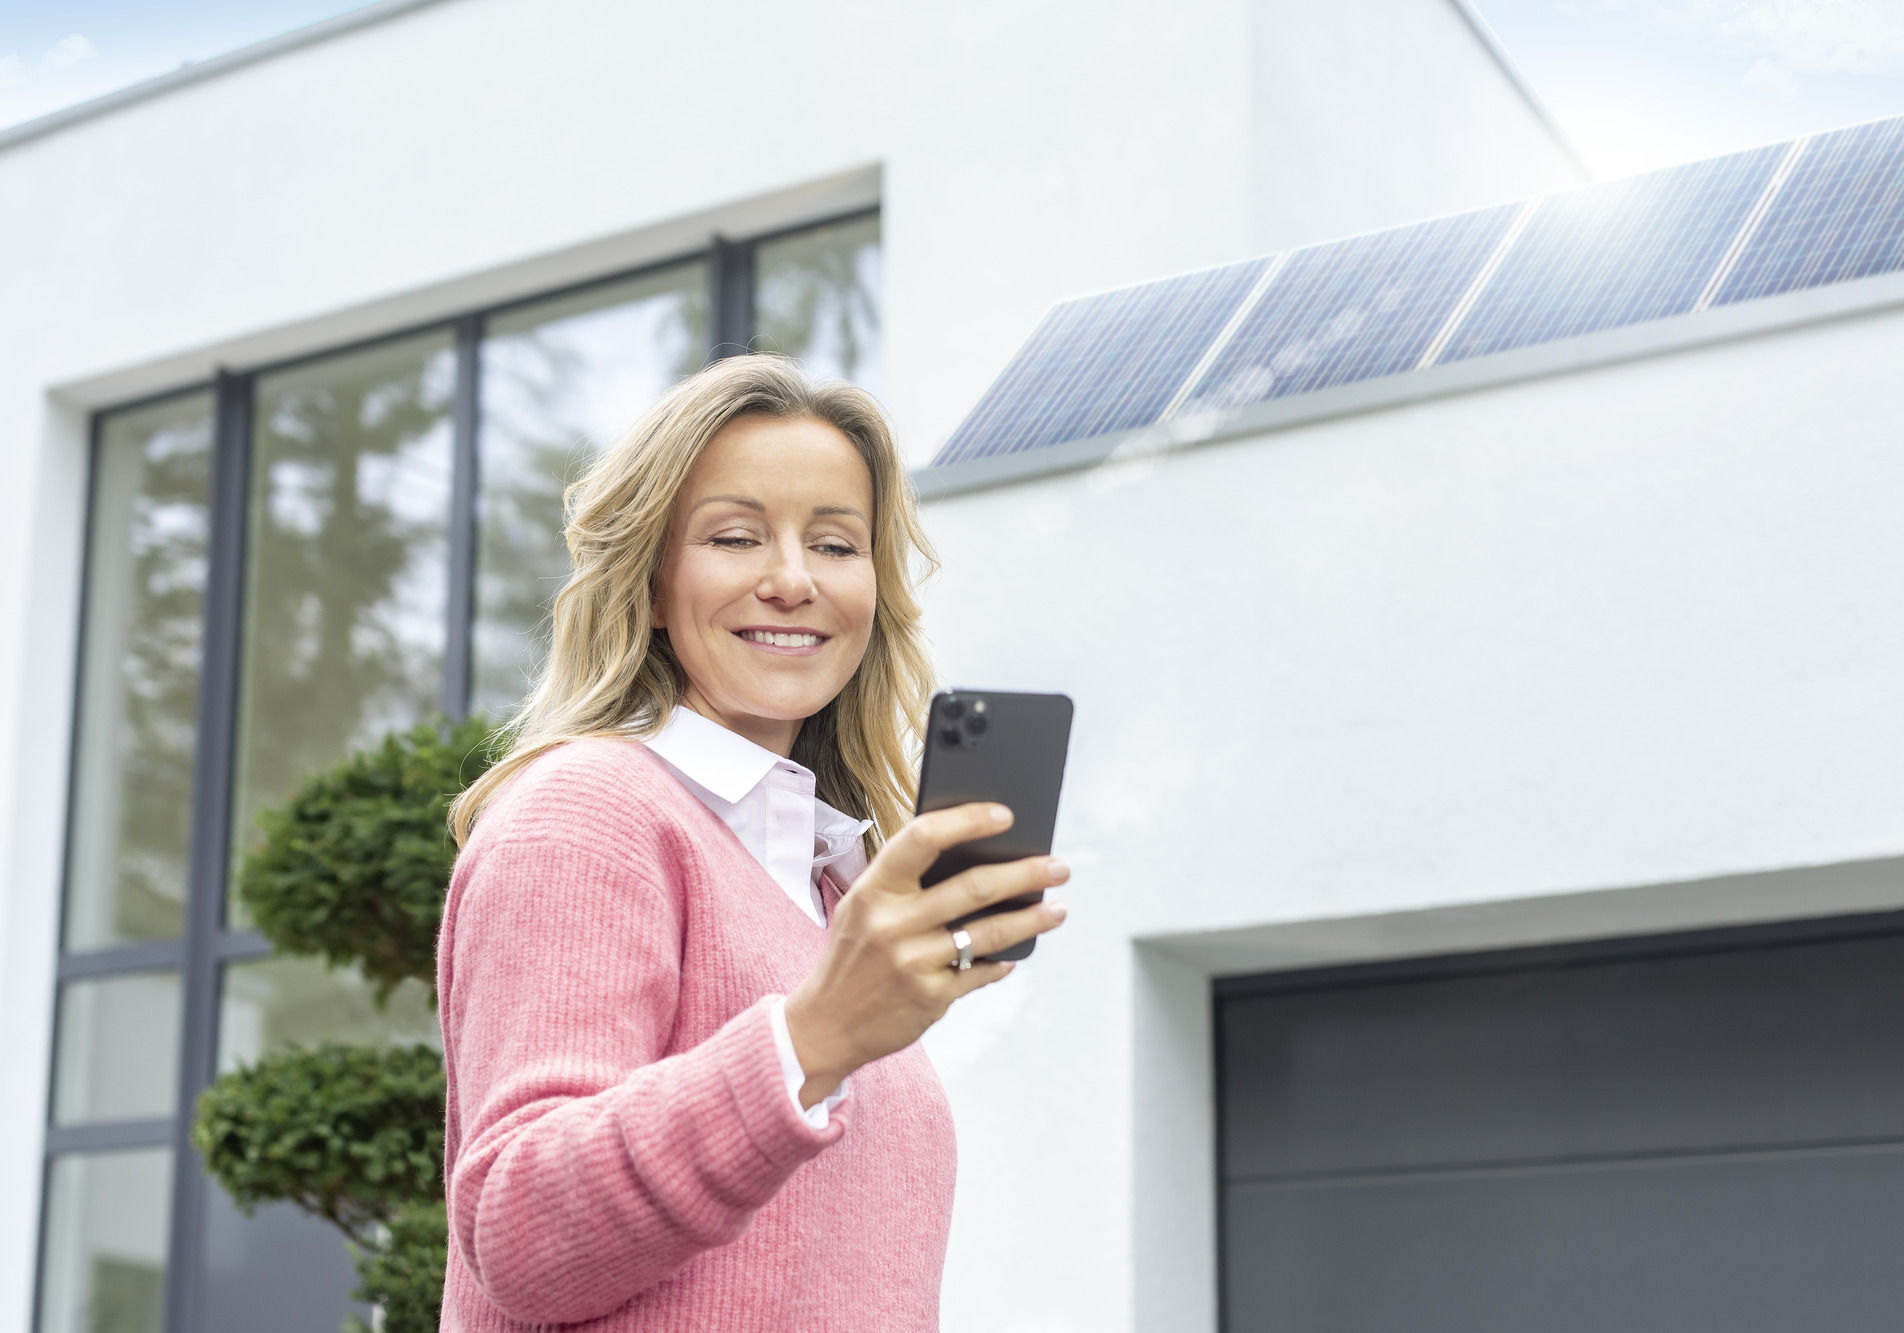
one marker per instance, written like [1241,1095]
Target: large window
[280,567]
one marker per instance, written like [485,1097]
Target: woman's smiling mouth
[798,642]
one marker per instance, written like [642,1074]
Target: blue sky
[1641,83]
[1634,83]
[55,54]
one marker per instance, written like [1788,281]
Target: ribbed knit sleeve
[592,1165]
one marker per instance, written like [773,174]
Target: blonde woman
[680,1007]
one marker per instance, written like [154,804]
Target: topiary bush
[404,1275]
[353,869]
[348,1133]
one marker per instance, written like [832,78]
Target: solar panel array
[1838,217]
[1350,311]
[1819,210]
[1615,254]
[1103,363]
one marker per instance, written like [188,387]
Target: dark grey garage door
[1700,1133]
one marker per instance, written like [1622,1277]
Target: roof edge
[198,70]
[1490,39]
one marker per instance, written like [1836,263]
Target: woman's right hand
[887,973]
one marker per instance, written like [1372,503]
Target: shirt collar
[730,766]
[726,763]
[838,831]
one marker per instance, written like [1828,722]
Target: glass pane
[105,1242]
[560,380]
[118,1049]
[278,1271]
[346,564]
[138,694]
[278,1001]
[817,298]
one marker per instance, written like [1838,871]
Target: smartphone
[993,745]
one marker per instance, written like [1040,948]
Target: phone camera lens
[954,709]
[976,724]
[950,735]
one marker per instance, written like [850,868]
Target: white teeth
[781,640]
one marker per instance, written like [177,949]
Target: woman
[684,1085]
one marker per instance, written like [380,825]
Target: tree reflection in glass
[346,564]
[272,1003]
[138,705]
[106,1241]
[816,297]
[560,380]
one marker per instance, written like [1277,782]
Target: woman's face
[766,587]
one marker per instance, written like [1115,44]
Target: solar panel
[1751,224]
[1615,254]
[1839,216]
[1103,363]
[1351,310]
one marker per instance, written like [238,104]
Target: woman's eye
[733,543]
[837,548]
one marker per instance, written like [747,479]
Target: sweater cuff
[796,1077]
[756,1084]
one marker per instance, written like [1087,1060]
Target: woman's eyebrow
[747,502]
[741,500]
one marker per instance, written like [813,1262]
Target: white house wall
[474,149]
[1398,82]
[1452,675]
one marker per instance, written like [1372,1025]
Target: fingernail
[1057,869]
[1008,967]
[1058,909]
[1000,815]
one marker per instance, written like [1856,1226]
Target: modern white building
[1468,745]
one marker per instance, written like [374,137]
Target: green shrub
[353,869]
[348,1133]
[404,1272]
[355,866]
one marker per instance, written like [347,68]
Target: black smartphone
[993,745]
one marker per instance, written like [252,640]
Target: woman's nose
[787,578]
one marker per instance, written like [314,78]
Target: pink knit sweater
[621,1152]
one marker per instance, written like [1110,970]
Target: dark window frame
[204,946]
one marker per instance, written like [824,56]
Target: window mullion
[210,855]
[465,422]
[730,297]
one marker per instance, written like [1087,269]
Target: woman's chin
[783,705]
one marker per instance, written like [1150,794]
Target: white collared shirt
[770,805]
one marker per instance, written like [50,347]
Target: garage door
[1693,1133]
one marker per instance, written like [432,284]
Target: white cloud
[1771,77]
[70,70]
[1854,36]
[67,52]
[1840,36]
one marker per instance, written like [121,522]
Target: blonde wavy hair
[609,671]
